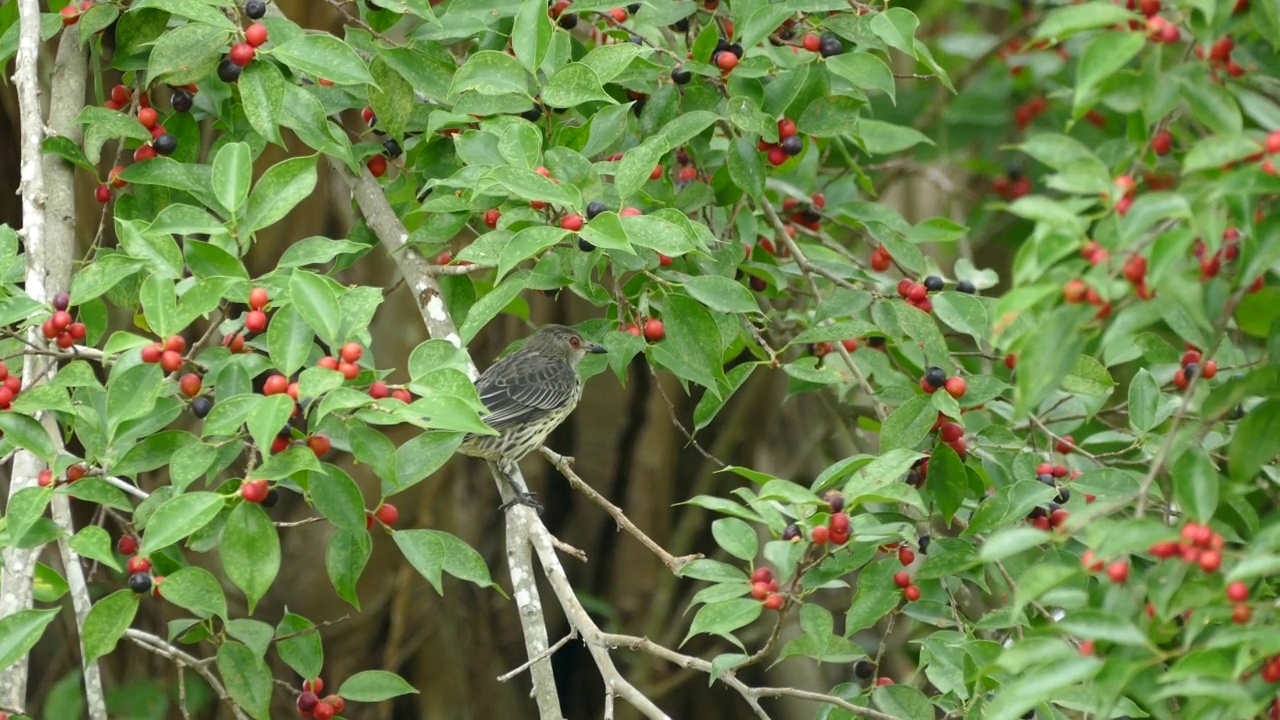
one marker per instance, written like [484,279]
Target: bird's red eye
[574,341]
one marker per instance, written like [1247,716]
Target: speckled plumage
[529,393]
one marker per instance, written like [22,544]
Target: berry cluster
[765,589]
[881,259]
[935,378]
[652,329]
[74,473]
[1011,185]
[72,12]
[805,215]
[1191,366]
[141,579]
[10,387]
[789,143]
[311,705]
[825,45]
[168,354]
[61,327]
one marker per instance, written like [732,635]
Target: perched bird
[528,394]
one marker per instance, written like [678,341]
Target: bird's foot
[522,498]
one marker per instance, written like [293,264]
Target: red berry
[906,556]
[377,166]
[654,330]
[324,711]
[275,385]
[1089,563]
[258,298]
[319,445]
[1210,560]
[950,432]
[760,590]
[911,593]
[1118,571]
[351,352]
[121,94]
[762,574]
[138,564]
[70,14]
[316,686]
[777,156]
[148,117]
[956,387]
[255,35]
[349,370]
[307,702]
[1273,142]
[1241,614]
[902,578]
[145,152]
[1162,142]
[190,384]
[657,172]
[491,218]
[242,53]
[543,171]
[773,602]
[820,535]
[786,128]
[255,321]
[388,514]
[1164,550]
[233,342]
[127,545]
[402,395]
[811,42]
[45,478]
[1237,591]
[629,212]
[176,343]
[1208,369]
[171,361]
[151,353]
[279,445]
[571,222]
[254,491]
[726,60]
[102,193]
[839,524]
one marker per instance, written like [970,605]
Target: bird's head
[561,341]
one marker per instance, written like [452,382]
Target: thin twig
[507,676]
[158,646]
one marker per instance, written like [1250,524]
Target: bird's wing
[520,389]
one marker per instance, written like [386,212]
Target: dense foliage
[1068,488]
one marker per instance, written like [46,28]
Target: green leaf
[430,552]
[745,167]
[106,622]
[1067,21]
[95,543]
[279,190]
[1256,442]
[490,72]
[423,455]
[491,304]
[25,432]
[303,650]
[882,138]
[289,339]
[179,517]
[722,618]
[101,275]
[392,99]
[1105,54]
[157,250]
[247,678]
[232,171]
[721,294]
[336,496]
[269,415]
[1009,542]
[1210,103]
[691,348]
[250,551]
[262,91]
[527,243]
[323,55]
[531,34]
[736,538]
[865,71]
[256,634]
[20,631]
[946,480]
[902,701]
[877,596]
[379,685]
[830,116]
[1215,151]
[317,303]
[963,313]
[909,424]
[1144,402]
[345,559]
[197,590]
[188,53]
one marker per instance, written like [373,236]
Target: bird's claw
[522,498]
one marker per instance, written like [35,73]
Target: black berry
[228,71]
[924,544]
[1190,370]
[792,145]
[140,582]
[933,283]
[681,76]
[1045,478]
[165,144]
[966,287]
[255,9]
[271,499]
[681,25]
[61,301]
[830,45]
[392,147]
[180,101]
[635,40]
[532,115]
[633,8]
[594,208]
[864,669]
[835,500]
[200,407]
[935,377]
[585,246]
[1064,495]
[790,532]
[569,21]
[736,49]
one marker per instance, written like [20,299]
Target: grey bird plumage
[528,394]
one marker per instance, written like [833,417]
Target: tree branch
[154,644]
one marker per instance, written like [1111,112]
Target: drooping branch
[158,646]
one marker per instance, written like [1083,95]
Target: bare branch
[158,646]
[573,634]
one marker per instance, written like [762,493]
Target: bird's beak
[595,349]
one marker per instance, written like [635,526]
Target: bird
[527,395]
